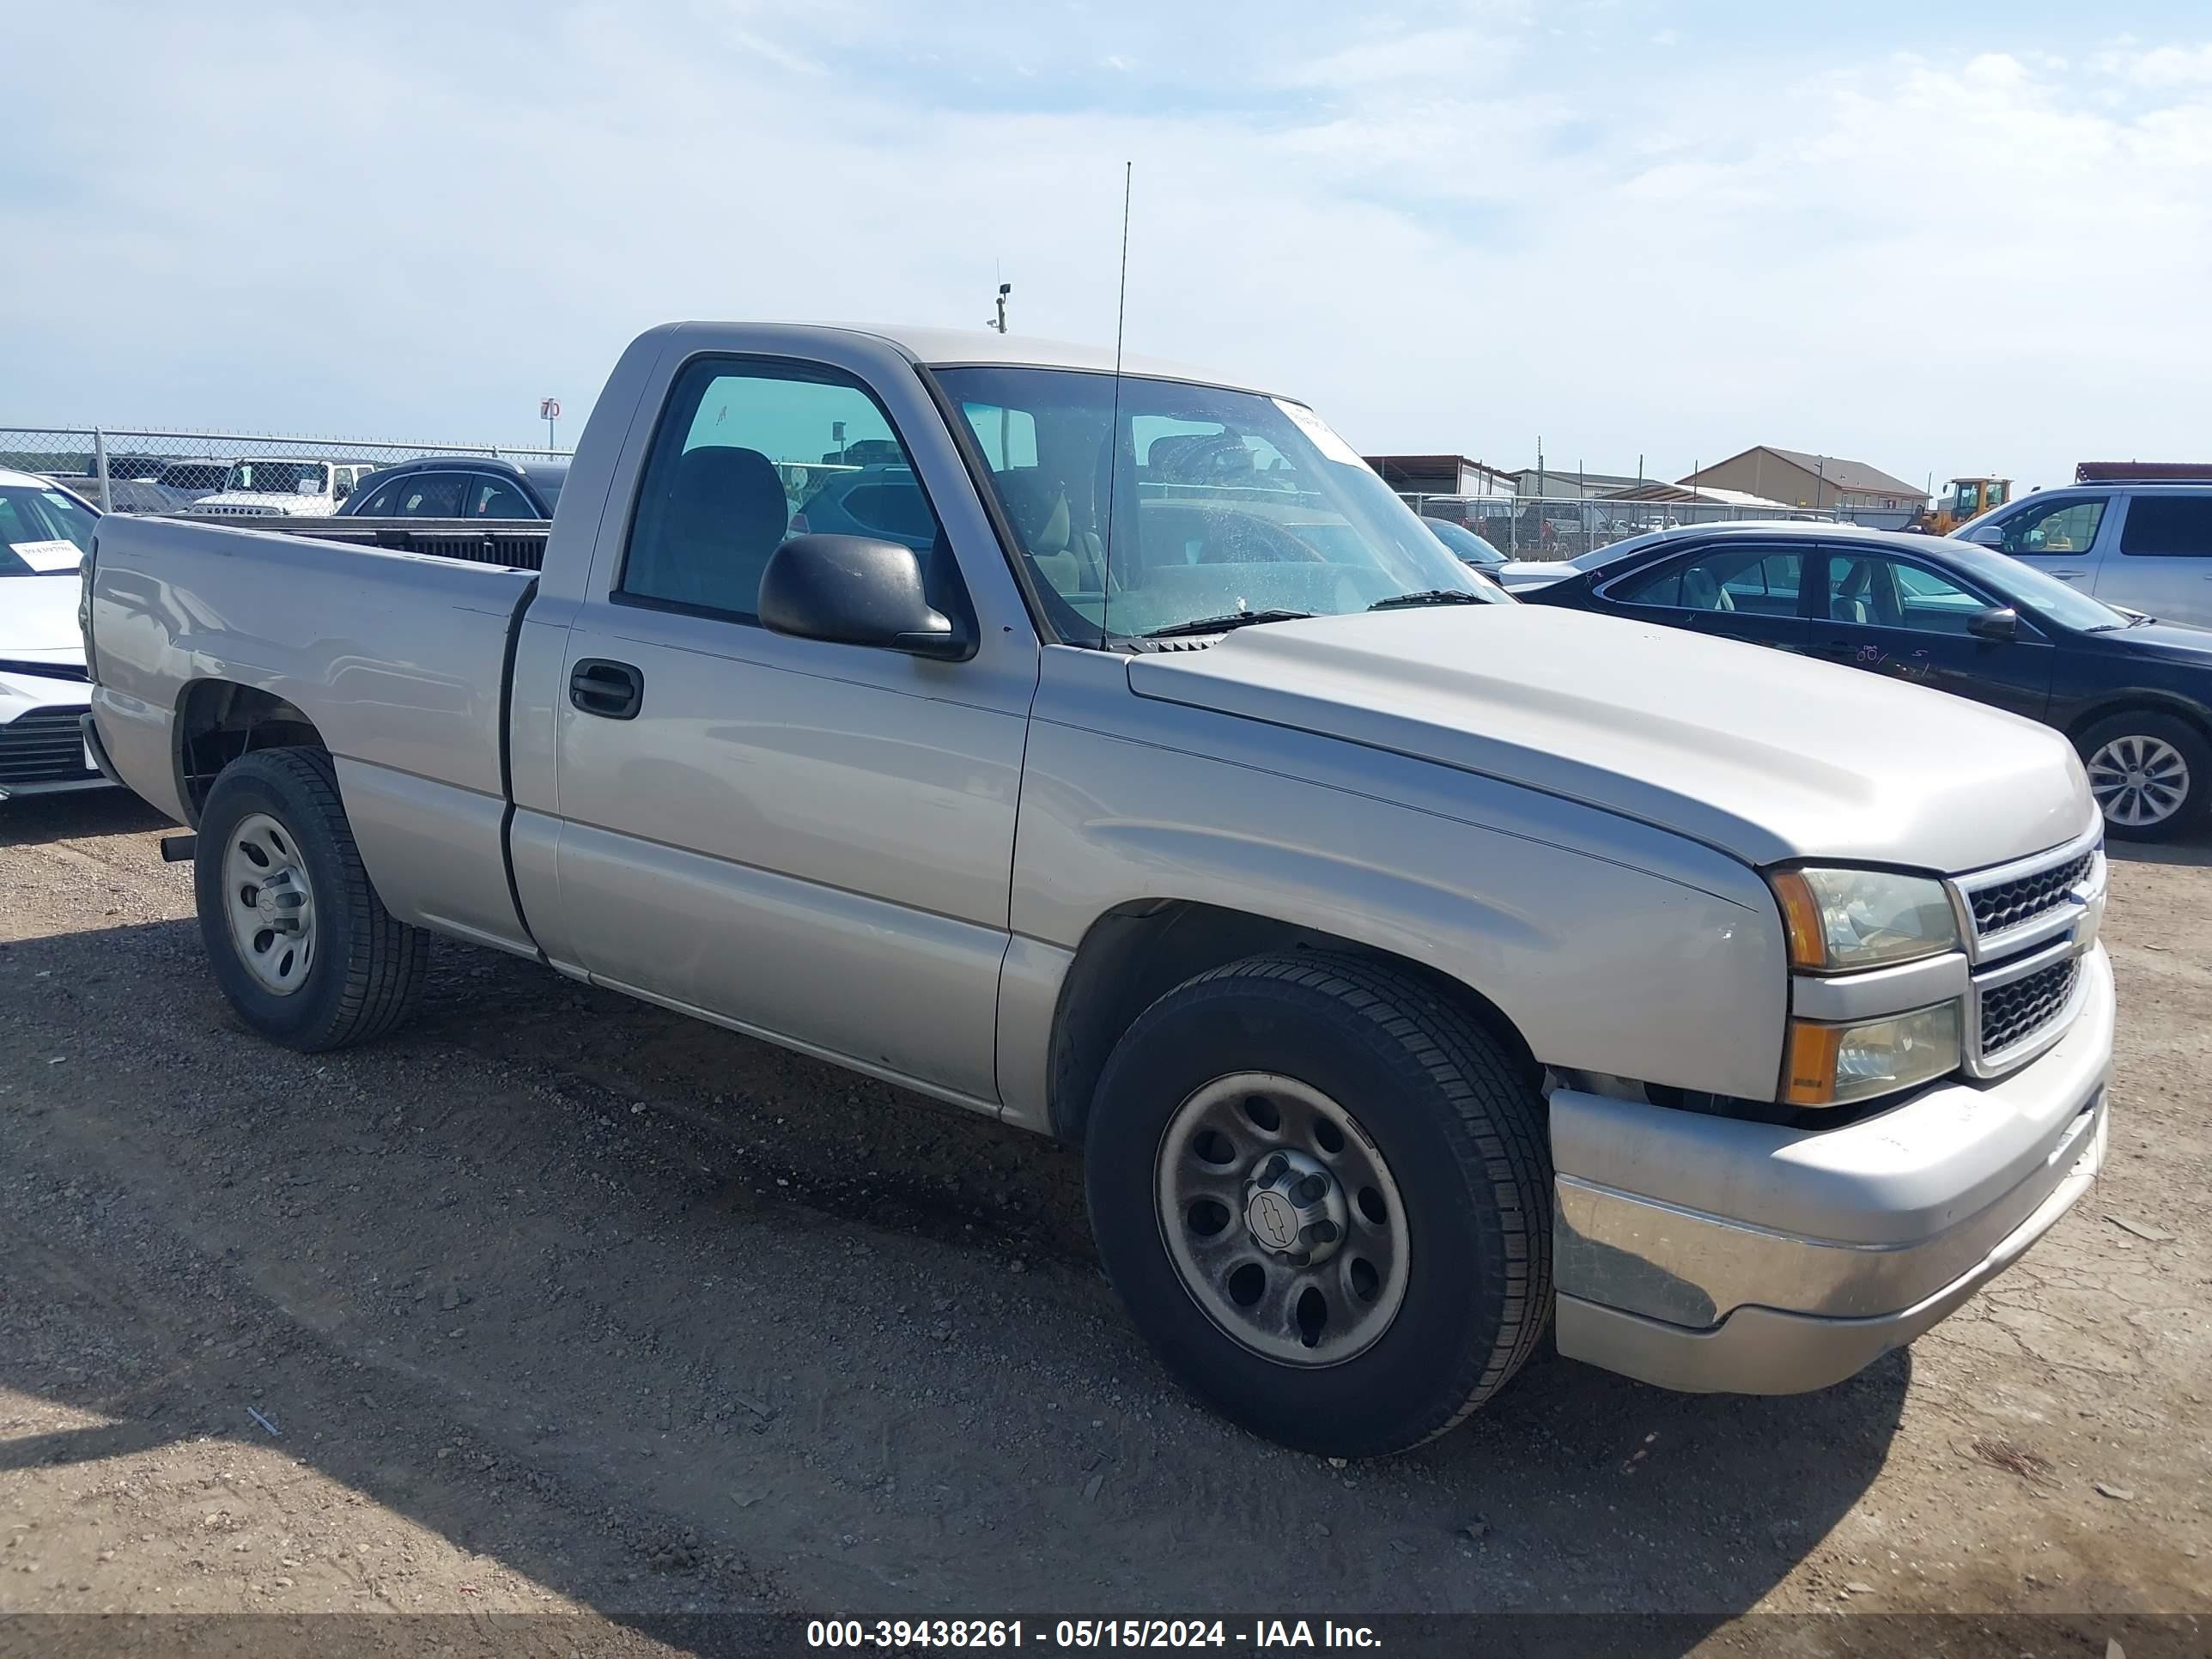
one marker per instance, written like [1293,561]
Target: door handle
[613,691]
[2070,576]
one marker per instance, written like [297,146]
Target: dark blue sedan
[2134,694]
[459,487]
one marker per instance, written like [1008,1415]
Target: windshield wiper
[1223,624]
[1429,596]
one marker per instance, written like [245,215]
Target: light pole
[1005,289]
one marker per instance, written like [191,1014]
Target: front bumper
[43,750]
[1714,1255]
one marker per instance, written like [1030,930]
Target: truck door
[812,841]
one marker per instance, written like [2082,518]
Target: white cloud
[1998,268]
[1392,57]
[2168,66]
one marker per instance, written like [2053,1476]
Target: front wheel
[2151,774]
[301,944]
[1324,1194]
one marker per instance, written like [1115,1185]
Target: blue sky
[1941,238]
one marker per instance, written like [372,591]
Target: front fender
[1601,964]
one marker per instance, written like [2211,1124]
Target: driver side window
[1877,591]
[751,455]
[2062,527]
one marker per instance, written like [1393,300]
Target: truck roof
[951,348]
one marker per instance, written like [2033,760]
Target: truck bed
[398,658]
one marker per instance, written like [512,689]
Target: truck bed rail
[516,543]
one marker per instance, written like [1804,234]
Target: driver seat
[1064,556]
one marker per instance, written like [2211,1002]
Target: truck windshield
[278,477]
[42,532]
[1195,502]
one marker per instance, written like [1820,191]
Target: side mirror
[855,590]
[1998,623]
[1989,535]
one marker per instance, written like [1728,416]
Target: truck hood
[37,619]
[1763,754]
[267,502]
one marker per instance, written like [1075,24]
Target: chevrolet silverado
[1418,971]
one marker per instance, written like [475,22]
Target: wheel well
[218,720]
[1138,952]
[2180,711]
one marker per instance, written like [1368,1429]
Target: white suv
[2146,546]
[282,487]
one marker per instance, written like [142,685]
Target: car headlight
[1836,1065]
[1838,919]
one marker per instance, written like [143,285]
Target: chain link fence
[1539,527]
[129,470]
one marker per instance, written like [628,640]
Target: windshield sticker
[1317,429]
[47,557]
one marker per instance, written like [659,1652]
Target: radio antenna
[1114,431]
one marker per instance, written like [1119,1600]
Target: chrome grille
[2023,899]
[45,745]
[2015,1012]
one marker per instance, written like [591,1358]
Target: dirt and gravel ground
[560,1302]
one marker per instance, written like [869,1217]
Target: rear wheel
[301,944]
[2151,774]
[1324,1195]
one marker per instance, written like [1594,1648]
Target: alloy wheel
[2139,780]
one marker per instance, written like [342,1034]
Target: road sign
[549,408]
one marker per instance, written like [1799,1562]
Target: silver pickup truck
[1113,754]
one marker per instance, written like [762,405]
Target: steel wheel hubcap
[1282,1219]
[270,903]
[2139,780]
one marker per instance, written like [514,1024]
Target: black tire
[1461,1127]
[367,971]
[2178,735]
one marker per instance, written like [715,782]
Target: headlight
[1835,1065]
[1843,918]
